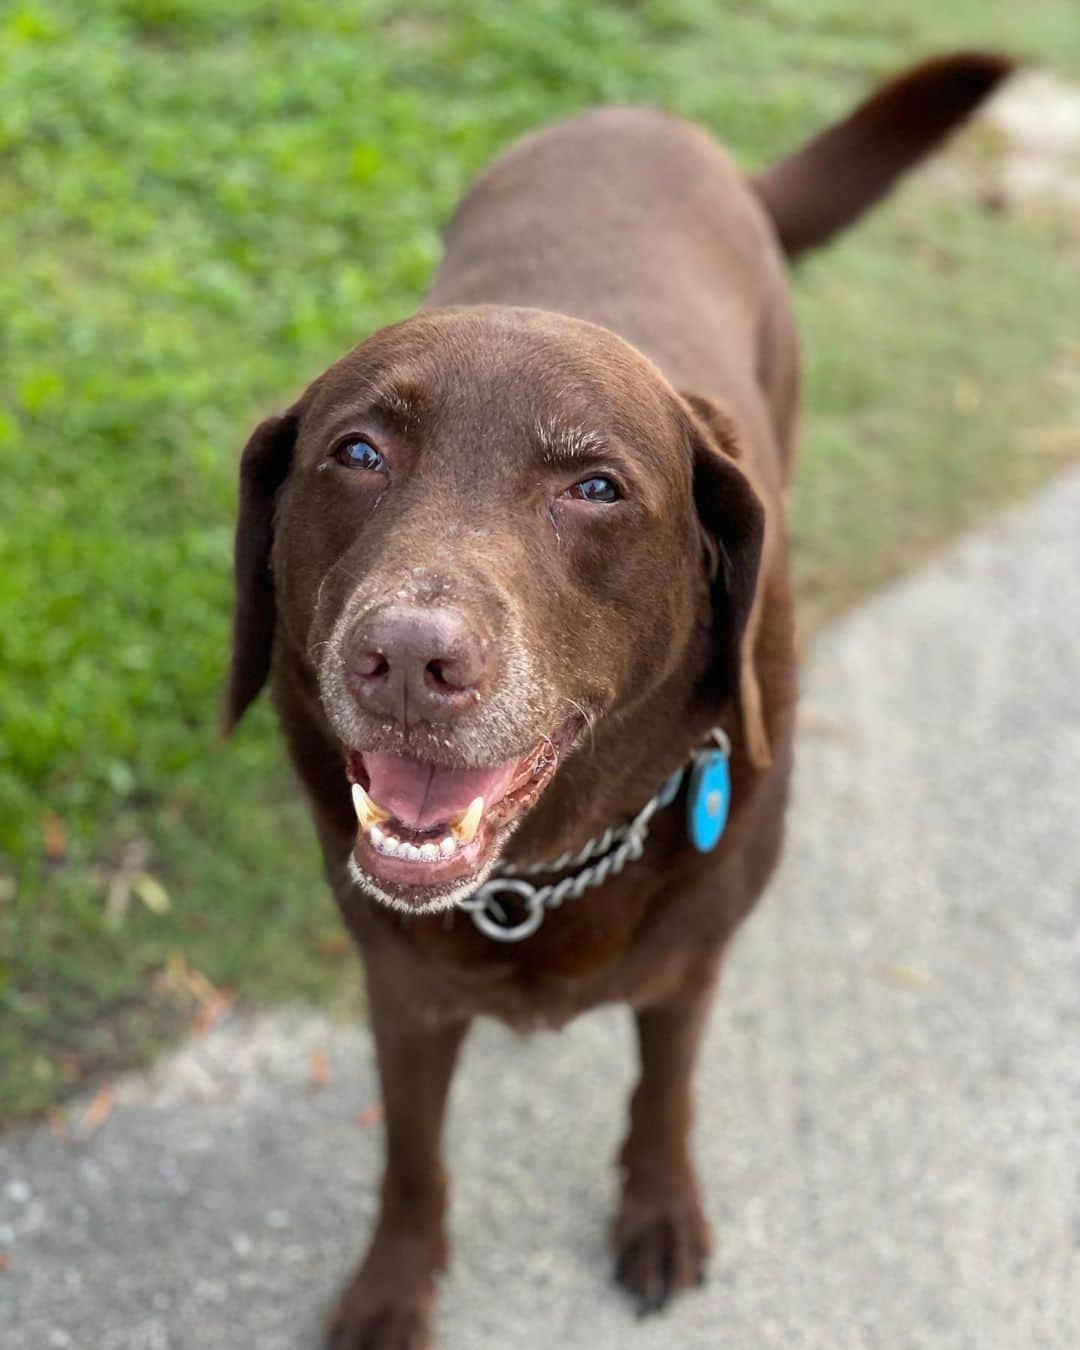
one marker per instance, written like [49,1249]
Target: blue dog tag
[708,799]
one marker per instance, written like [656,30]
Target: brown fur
[597,268]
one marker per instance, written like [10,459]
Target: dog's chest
[604,949]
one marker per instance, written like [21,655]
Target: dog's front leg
[388,1303]
[661,1238]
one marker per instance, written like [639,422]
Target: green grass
[204,204]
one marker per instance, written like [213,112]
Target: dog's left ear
[264,466]
[732,520]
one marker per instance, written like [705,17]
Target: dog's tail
[827,184]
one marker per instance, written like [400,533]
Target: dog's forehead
[561,379]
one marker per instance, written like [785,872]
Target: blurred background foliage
[204,203]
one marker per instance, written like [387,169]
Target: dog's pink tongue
[423,796]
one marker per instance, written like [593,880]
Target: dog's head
[486,532]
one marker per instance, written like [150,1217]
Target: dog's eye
[360,454]
[596,489]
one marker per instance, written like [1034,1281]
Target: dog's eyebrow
[560,441]
[400,402]
[398,405]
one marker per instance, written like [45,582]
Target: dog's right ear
[264,466]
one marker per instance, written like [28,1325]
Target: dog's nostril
[435,672]
[448,675]
[372,665]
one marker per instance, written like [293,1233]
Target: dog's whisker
[588,719]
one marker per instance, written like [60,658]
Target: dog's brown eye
[596,489]
[360,454]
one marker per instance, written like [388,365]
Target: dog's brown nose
[416,664]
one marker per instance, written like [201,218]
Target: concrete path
[889,1124]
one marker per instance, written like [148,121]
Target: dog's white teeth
[367,813]
[431,851]
[466,827]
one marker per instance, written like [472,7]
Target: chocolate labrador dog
[517,570]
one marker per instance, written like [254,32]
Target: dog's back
[641,222]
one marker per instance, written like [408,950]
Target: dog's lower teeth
[461,833]
[391,846]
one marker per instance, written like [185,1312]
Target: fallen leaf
[370,1116]
[319,1068]
[821,726]
[117,899]
[175,974]
[126,876]
[175,966]
[213,1009]
[54,833]
[99,1110]
[151,892]
[334,945]
[199,987]
[905,977]
[69,1065]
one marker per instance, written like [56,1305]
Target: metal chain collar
[614,849]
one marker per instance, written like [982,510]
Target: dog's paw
[661,1246]
[370,1317]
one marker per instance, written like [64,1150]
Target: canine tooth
[367,813]
[469,823]
[411,852]
[429,852]
[447,845]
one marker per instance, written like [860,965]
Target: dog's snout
[417,664]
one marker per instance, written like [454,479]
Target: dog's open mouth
[427,831]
